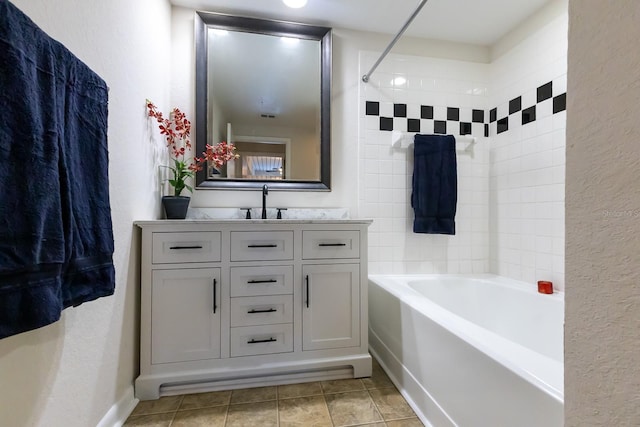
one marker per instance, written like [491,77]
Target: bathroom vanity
[241,303]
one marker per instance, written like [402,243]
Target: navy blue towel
[435,184]
[56,237]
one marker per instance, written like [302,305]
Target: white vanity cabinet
[331,310]
[241,303]
[185,315]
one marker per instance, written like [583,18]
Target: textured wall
[70,373]
[602,338]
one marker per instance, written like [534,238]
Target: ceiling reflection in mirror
[267,92]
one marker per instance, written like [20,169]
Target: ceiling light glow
[296,4]
[290,40]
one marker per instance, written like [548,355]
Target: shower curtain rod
[365,78]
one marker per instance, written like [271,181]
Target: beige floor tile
[309,411]
[352,408]
[258,394]
[374,363]
[155,420]
[341,386]
[164,404]
[380,424]
[391,404]
[263,414]
[299,390]
[205,417]
[205,400]
[378,379]
[408,422]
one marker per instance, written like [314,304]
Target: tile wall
[527,157]
[510,218]
[437,96]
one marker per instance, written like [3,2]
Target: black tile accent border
[544,92]
[559,103]
[386,123]
[477,116]
[440,126]
[413,125]
[515,105]
[373,108]
[426,112]
[493,115]
[503,124]
[528,115]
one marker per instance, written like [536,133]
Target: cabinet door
[185,315]
[330,306]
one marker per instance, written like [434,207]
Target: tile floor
[372,402]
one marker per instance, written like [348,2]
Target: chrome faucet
[265,191]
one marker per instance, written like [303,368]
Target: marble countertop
[256,212]
[238,216]
[253,221]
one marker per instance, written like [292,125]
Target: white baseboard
[120,411]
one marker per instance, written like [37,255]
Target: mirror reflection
[266,91]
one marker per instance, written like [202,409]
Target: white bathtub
[470,351]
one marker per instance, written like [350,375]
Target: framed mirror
[264,86]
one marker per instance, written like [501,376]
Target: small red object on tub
[545,287]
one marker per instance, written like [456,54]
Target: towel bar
[405,139]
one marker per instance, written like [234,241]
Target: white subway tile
[544,125]
[371,195]
[426,126]
[440,112]
[372,123]
[544,109]
[400,124]
[372,167]
[371,181]
[386,109]
[560,84]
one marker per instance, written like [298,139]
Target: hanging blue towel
[435,184]
[56,237]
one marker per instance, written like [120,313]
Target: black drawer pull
[261,341]
[185,247]
[215,300]
[253,282]
[269,310]
[263,246]
[332,244]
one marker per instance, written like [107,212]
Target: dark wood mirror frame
[205,20]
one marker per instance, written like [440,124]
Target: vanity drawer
[186,247]
[261,245]
[266,339]
[265,310]
[263,280]
[330,244]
